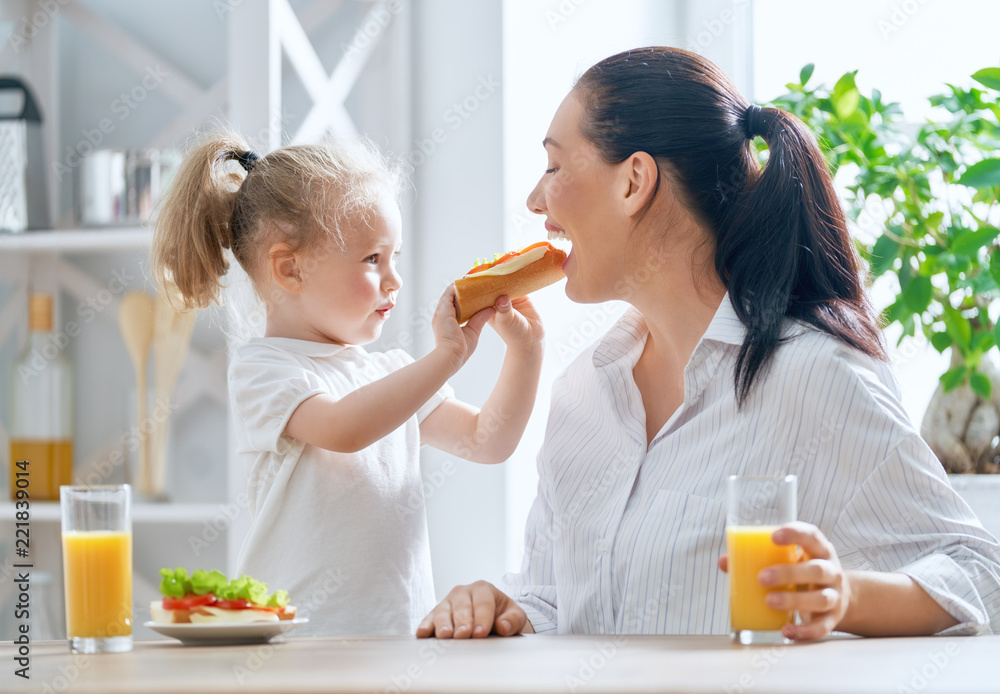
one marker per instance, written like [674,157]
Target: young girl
[330,433]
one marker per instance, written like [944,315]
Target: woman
[750,348]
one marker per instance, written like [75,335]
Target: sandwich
[208,597]
[515,275]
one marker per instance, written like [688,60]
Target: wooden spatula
[135,318]
[171,340]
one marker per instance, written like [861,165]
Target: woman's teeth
[557,235]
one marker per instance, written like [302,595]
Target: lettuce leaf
[279,599]
[176,583]
[203,582]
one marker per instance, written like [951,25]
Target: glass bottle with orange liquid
[41,430]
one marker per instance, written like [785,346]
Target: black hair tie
[753,121]
[248,160]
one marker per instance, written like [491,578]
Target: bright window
[908,50]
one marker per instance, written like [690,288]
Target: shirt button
[603,546]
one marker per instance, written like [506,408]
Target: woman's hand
[475,611]
[823,606]
[459,342]
[518,325]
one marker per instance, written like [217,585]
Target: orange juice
[750,551]
[97,568]
[50,464]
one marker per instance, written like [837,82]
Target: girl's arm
[490,435]
[371,412]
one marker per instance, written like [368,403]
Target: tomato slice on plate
[188,602]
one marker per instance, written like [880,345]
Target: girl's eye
[372,258]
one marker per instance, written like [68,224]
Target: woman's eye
[550,171]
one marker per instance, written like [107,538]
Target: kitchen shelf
[171,513]
[98,240]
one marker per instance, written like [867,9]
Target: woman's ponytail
[782,245]
[193,227]
[784,250]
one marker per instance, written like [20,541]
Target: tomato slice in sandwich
[188,602]
[504,258]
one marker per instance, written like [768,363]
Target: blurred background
[463,92]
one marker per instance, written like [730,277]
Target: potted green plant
[923,199]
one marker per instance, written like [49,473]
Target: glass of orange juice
[756,507]
[97,567]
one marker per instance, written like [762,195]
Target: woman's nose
[536,198]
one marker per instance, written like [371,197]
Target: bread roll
[477,291]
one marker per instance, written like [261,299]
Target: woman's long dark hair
[782,245]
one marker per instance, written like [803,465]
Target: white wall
[458,88]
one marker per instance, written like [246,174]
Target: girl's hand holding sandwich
[453,339]
[518,325]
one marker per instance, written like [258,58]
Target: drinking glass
[97,567]
[756,507]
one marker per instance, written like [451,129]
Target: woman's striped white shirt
[625,539]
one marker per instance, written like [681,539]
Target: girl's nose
[536,198]
[393,281]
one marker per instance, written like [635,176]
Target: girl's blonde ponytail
[193,227]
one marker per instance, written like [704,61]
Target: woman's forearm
[891,604]
[503,417]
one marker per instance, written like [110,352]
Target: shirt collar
[726,325]
[625,339]
[628,336]
[306,348]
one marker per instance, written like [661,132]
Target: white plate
[225,634]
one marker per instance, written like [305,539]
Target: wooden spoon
[171,340]
[135,319]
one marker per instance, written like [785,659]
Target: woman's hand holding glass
[822,607]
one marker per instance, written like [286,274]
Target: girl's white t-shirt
[344,533]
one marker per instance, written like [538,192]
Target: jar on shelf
[41,429]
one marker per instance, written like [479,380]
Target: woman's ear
[286,271]
[641,173]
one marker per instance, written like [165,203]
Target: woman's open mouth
[556,233]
